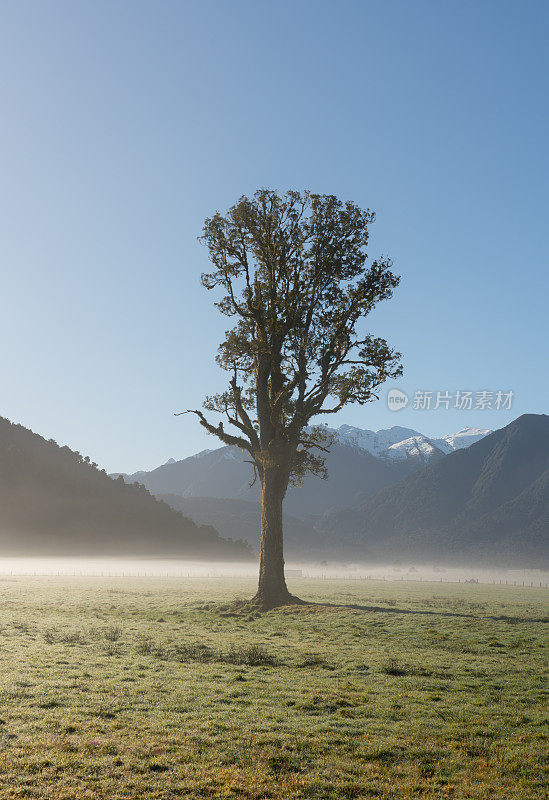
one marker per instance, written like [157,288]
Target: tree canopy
[293,274]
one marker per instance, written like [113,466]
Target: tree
[293,275]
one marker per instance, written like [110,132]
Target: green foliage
[293,276]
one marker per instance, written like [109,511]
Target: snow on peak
[463,438]
[417,447]
[395,443]
[400,443]
[375,442]
[473,432]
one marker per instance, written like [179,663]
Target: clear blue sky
[124,124]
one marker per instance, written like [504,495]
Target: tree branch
[226,438]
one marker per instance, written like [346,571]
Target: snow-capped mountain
[419,447]
[389,444]
[488,504]
[399,443]
[360,463]
[375,442]
[463,438]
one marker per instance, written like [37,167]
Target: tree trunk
[272,590]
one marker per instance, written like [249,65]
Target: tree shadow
[426,612]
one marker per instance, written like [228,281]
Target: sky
[125,124]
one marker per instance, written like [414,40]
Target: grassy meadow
[154,688]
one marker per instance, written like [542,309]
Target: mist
[295,570]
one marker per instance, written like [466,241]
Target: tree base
[263,601]
[260,604]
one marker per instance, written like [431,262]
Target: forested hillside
[489,501]
[54,501]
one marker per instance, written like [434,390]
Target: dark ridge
[54,501]
[488,502]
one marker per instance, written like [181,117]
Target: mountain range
[476,495]
[360,463]
[487,502]
[399,443]
[53,501]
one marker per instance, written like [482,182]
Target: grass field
[149,688]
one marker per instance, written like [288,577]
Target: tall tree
[293,275]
